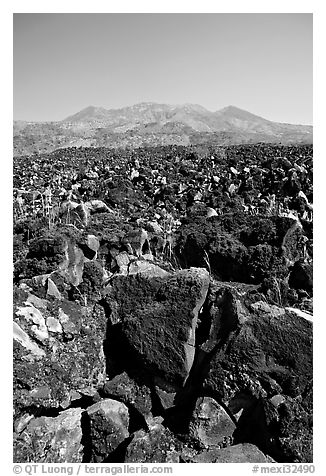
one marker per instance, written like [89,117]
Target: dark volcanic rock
[268,345]
[295,432]
[128,391]
[158,319]
[269,353]
[226,254]
[280,427]
[118,356]
[47,247]
[301,276]
[92,281]
[239,247]
[225,310]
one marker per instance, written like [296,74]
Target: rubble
[163,305]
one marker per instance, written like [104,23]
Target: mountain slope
[154,124]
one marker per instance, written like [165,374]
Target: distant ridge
[152,124]
[101,113]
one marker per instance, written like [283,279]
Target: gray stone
[71,268]
[51,440]
[22,422]
[109,421]
[146,268]
[277,400]
[242,453]
[262,306]
[123,260]
[166,398]
[33,315]
[93,243]
[52,290]
[37,302]
[53,325]
[300,313]
[156,446]
[210,424]
[48,375]
[24,339]
[226,310]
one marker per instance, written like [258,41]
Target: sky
[262,63]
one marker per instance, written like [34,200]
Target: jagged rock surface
[51,439]
[167,317]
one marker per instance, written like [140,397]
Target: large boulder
[270,346]
[240,247]
[64,252]
[51,439]
[157,320]
[44,256]
[260,351]
[223,252]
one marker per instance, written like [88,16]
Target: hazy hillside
[154,124]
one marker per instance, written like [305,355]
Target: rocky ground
[172,322]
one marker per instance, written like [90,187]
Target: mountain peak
[231,108]
[86,114]
[235,113]
[234,110]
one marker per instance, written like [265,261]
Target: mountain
[154,124]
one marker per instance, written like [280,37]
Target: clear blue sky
[258,62]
